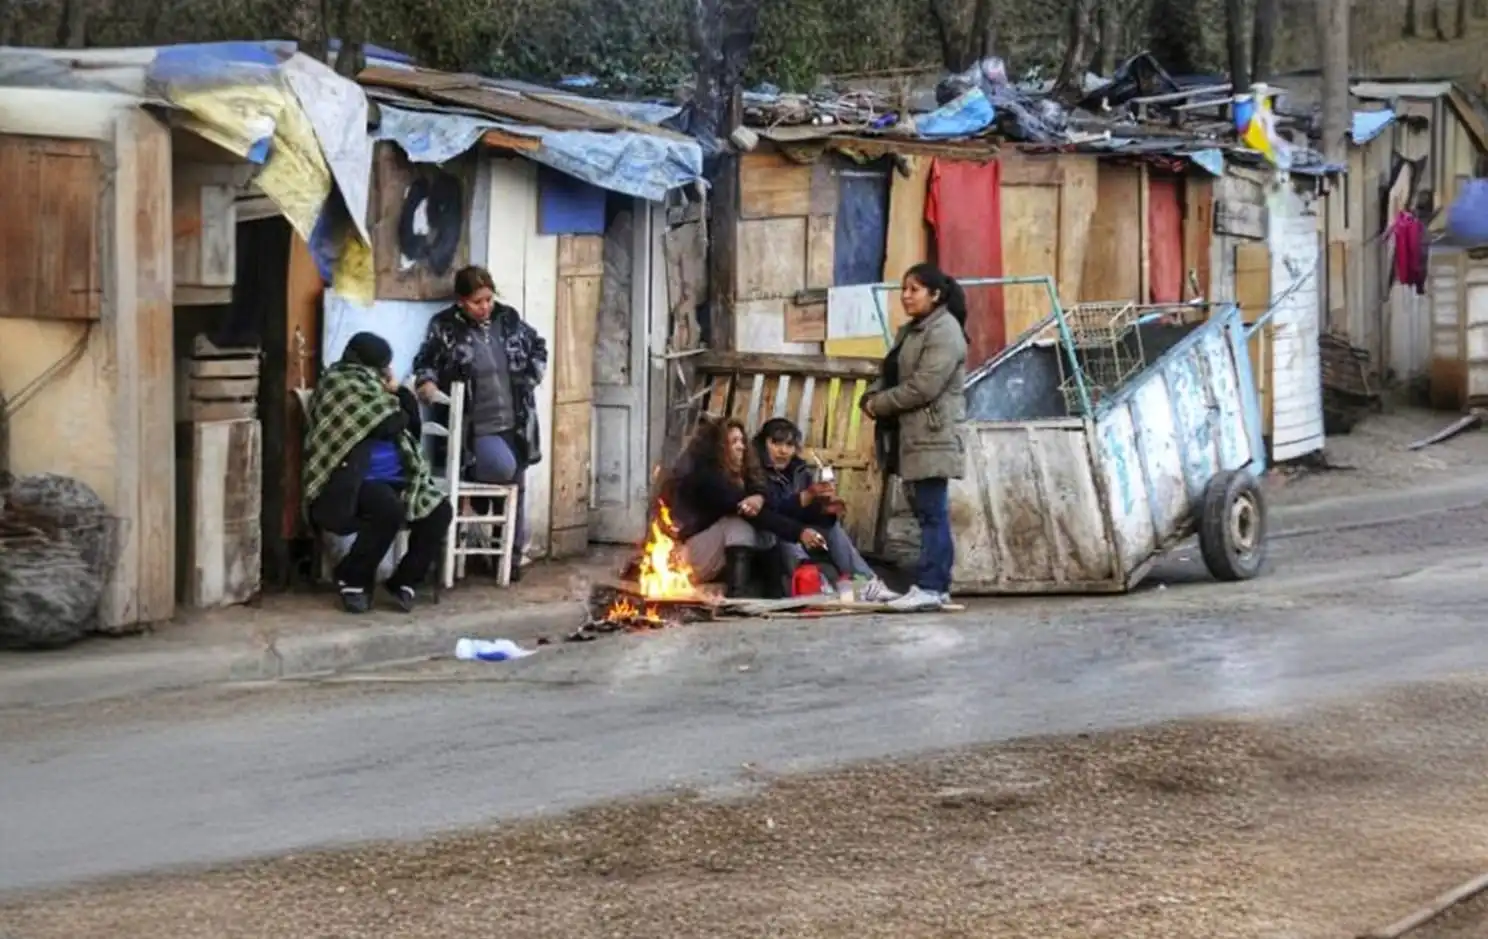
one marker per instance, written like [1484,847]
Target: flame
[663,574]
[623,611]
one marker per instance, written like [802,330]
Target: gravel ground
[1376,457]
[1316,823]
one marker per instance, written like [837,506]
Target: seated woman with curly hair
[716,493]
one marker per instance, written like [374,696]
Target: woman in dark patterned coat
[502,360]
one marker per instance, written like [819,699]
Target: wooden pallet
[821,395]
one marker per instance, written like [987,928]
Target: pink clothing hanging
[1410,251]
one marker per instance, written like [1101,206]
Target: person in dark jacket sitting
[365,474]
[793,490]
[716,494]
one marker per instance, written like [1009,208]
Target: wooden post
[139,283]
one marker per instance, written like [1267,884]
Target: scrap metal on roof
[509,102]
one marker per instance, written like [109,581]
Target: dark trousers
[380,516]
[930,499]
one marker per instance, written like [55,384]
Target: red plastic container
[806,581]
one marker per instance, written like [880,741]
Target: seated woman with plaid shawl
[365,474]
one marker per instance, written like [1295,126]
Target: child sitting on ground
[793,491]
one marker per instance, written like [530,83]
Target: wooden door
[621,481]
[580,275]
[1047,206]
[1253,293]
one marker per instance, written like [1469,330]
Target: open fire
[662,577]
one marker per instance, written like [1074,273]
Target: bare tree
[1108,31]
[1175,35]
[723,35]
[1072,70]
[967,31]
[72,27]
[351,23]
[1439,20]
[1239,55]
[1333,30]
[1263,40]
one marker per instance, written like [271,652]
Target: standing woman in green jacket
[917,402]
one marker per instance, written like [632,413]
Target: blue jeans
[931,501]
[843,553]
[496,462]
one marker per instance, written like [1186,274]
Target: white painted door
[620,436]
[1297,415]
[524,265]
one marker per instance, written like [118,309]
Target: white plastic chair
[478,529]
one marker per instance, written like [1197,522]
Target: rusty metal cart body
[1100,439]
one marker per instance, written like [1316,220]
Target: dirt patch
[1322,824]
[1376,456]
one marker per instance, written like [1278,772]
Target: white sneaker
[918,600]
[876,591]
[945,599]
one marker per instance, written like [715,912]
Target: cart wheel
[1232,526]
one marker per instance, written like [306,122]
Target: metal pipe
[1047,283]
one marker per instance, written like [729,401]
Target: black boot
[774,575]
[738,569]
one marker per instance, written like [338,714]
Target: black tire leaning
[1232,526]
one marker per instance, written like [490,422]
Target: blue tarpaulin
[1211,159]
[1368,125]
[969,114]
[645,166]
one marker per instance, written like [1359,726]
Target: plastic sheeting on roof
[292,119]
[1211,159]
[1368,125]
[640,165]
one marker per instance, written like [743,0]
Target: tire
[1232,526]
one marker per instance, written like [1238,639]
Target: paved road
[213,776]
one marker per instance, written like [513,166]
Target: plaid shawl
[350,401]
